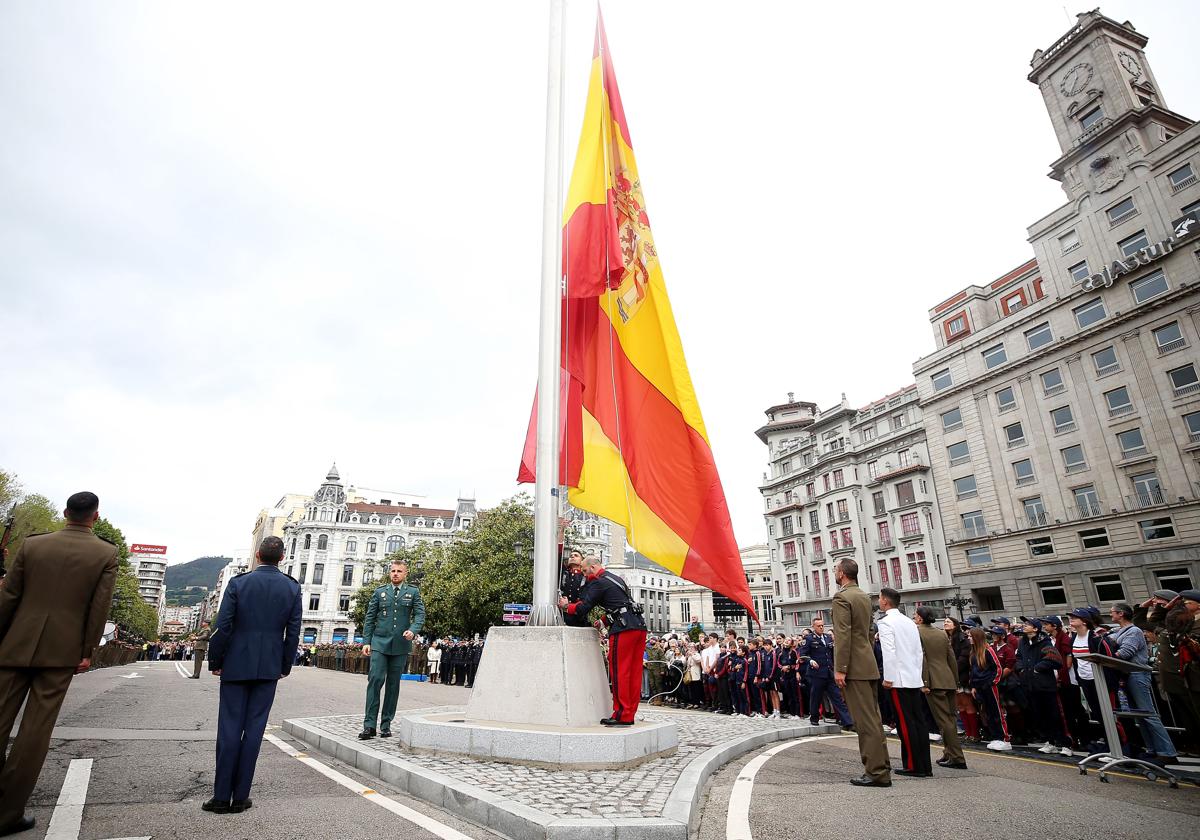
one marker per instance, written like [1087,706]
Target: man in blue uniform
[395,615]
[252,648]
[816,657]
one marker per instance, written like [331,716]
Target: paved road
[803,791]
[151,738]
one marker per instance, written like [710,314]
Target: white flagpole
[546,502]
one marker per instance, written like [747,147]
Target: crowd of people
[1014,682]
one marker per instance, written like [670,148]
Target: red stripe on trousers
[625,651]
[1000,712]
[908,750]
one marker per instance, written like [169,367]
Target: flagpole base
[545,615]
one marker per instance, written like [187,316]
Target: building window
[897,422]
[868,433]
[918,569]
[1040,546]
[1105,361]
[1149,287]
[964,488]
[958,452]
[1183,380]
[1052,382]
[343,602]
[789,551]
[1131,443]
[811,490]
[1006,399]
[1069,241]
[910,524]
[1118,401]
[1062,419]
[1052,592]
[786,526]
[1108,587]
[1014,435]
[1121,211]
[318,573]
[303,572]
[885,534]
[1087,502]
[1192,422]
[814,521]
[1080,271]
[973,524]
[952,420]
[307,541]
[877,498]
[1090,313]
[1013,302]
[957,325]
[839,480]
[904,492]
[825,479]
[371,546]
[1147,490]
[847,538]
[1130,245]
[818,553]
[314,601]
[872,469]
[942,380]
[1161,528]
[293,551]
[347,575]
[843,510]
[1023,470]
[1039,336]
[1177,580]
[1035,511]
[902,457]
[1091,538]
[897,576]
[1169,338]
[1073,460]
[351,545]
[1091,119]
[368,575]
[393,544]
[979,556]
[994,356]
[1181,178]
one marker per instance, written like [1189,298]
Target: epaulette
[289,577]
[106,539]
[241,574]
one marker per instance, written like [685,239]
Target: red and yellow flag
[635,449]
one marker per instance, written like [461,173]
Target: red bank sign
[140,548]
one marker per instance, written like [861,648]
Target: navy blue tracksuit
[819,650]
[258,628]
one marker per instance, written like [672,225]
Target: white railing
[1164,349]
[1120,410]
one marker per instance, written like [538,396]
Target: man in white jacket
[903,660]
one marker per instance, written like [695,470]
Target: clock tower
[1106,107]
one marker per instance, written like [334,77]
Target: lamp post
[958,601]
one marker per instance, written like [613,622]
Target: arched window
[437,542]
[340,634]
[293,552]
[437,523]
[368,575]
[420,522]
[323,543]
[310,635]
[398,520]
[351,545]
[370,546]
[374,520]
[394,544]
[355,518]
[307,541]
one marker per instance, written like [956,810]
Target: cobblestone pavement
[640,792]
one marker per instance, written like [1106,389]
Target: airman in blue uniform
[251,649]
[816,658]
[395,615]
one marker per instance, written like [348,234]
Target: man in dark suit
[857,674]
[940,674]
[251,649]
[53,606]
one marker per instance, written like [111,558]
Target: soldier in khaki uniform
[199,649]
[53,606]
[857,674]
[395,615]
[940,674]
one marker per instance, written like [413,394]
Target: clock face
[1076,79]
[1130,64]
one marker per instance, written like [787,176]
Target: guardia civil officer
[395,615]
[251,649]
[626,637]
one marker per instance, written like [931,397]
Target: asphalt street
[151,735]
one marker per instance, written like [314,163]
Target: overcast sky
[243,240]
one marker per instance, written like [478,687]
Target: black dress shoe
[239,805]
[952,765]
[866,781]
[916,774]
[385,733]
[215,807]
[366,735]
[608,721]
[23,824]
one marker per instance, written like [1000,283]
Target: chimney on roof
[385,501]
[791,396]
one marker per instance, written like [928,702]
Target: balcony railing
[1037,520]
[1183,185]
[1120,410]
[1013,444]
[842,516]
[1064,428]
[1085,510]
[1149,497]
[1171,346]
[1075,468]
[1184,390]
[912,531]
[817,558]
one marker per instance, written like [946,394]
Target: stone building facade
[1062,404]
[689,602]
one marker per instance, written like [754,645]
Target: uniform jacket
[201,642]
[258,626]
[769,664]
[1038,664]
[392,611]
[852,628]
[737,668]
[818,649]
[56,598]
[940,670]
[609,593]
[987,674]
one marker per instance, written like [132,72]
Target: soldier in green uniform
[395,615]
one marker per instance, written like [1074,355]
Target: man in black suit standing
[251,649]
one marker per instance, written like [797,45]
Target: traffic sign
[518,608]
[516,618]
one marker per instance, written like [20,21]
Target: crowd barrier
[106,656]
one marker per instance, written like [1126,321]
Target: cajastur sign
[142,548]
[1185,229]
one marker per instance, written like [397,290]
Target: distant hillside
[199,572]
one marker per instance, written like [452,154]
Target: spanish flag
[634,447]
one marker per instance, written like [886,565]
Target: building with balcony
[690,602]
[1062,404]
[340,538]
[851,483]
[150,565]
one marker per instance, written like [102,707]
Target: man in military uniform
[53,606]
[251,649]
[816,663]
[395,615]
[857,674]
[571,585]
[199,649]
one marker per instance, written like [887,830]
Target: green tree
[34,515]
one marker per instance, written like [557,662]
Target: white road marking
[182,671]
[415,817]
[737,819]
[67,818]
[132,676]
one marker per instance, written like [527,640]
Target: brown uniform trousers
[854,656]
[53,606]
[940,673]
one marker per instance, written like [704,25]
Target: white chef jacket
[902,655]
